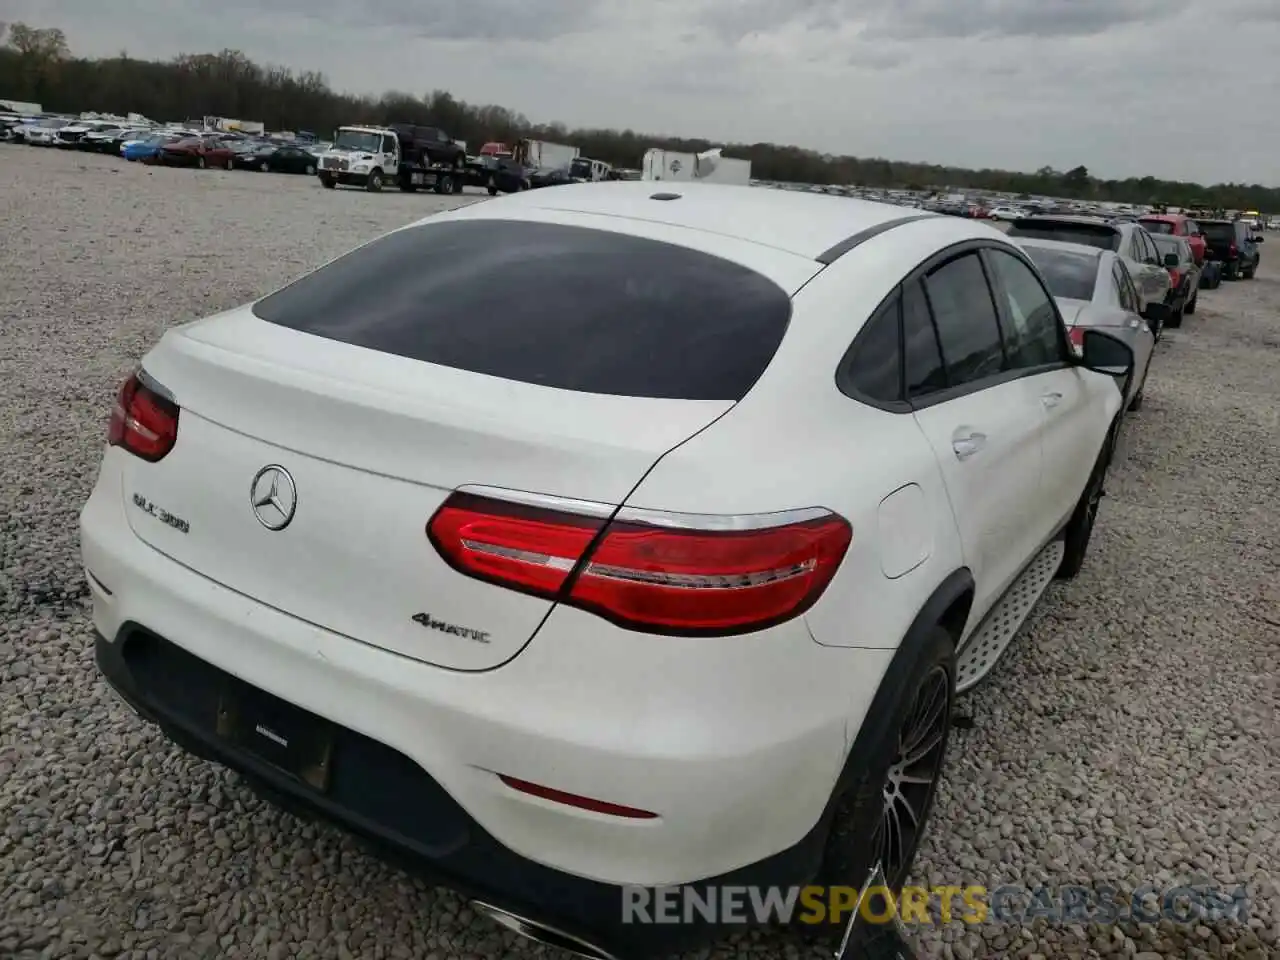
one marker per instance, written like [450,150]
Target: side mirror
[1107,354]
[1171,260]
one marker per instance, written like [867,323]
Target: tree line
[36,64]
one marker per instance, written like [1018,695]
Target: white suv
[604,535]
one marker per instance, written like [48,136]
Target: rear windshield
[1098,235]
[1218,231]
[1157,226]
[1172,245]
[560,306]
[1069,275]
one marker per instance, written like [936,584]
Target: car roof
[1165,217]
[1081,249]
[805,224]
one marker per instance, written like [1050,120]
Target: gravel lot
[1130,737]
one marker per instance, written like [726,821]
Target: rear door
[321,430]
[984,425]
[1036,348]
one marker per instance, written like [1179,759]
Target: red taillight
[1077,336]
[574,800]
[1231,250]
[649,571]
[1175,277]
[144,421]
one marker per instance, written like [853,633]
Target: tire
[1079,528]
[328,183]
[311,170]
[264,167]
[1193,302]
[1248,274]
[200,163]
[231,163]
[374,183]
[920,685]
[1175,318]
[493,191]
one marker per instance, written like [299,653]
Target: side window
[874,367]
[1131,292]
[1193,229]
[1121,281]
[1152,253]
[388,144]
[965,316]
[923,371]
[1033,337]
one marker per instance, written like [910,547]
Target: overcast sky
[1173,88]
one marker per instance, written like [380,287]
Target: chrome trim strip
[712,522]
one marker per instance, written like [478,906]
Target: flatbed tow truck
[399,155]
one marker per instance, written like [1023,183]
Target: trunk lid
[369,467]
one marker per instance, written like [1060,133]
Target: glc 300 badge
[160,513]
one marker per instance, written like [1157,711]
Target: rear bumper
[382,797]
[738,762]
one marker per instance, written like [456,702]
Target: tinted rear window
[1157,226]
[1093,234]
[1218,231]
[1072,276]
[566,307]
[1173,245]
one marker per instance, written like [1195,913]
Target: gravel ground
[1130,737]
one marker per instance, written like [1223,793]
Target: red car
[197,152]
[1177,225]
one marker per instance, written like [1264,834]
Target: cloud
[449,19]
[1125,87]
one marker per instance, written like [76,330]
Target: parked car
[504,175]
[199,152]
[1130,240]
[277,158]
[1234,245]
[551,177]
[1184,276]
[148,149]
[126,137]
[45,132]
[1006,213]
[1094,291]
[1177,225]
[777,650]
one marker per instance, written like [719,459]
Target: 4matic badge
[431,623]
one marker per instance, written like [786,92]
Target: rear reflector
[144,420]
[1077,336]
[573,800]
[660,573]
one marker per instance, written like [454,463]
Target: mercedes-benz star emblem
[274,497]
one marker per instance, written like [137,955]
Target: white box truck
[709,167]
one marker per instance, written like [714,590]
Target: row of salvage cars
[1134,278]
[171,147]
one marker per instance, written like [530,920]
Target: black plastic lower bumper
[385,798]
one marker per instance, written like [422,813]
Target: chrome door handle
[1051,399]
[966,446]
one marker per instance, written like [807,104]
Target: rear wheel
[328,182]
[1175,318]
[881,815]
[200,163]
[1194,301]
[1079,528]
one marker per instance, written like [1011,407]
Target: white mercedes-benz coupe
[607,535]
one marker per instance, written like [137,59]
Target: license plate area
[296,742]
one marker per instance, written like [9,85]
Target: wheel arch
[947,607]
